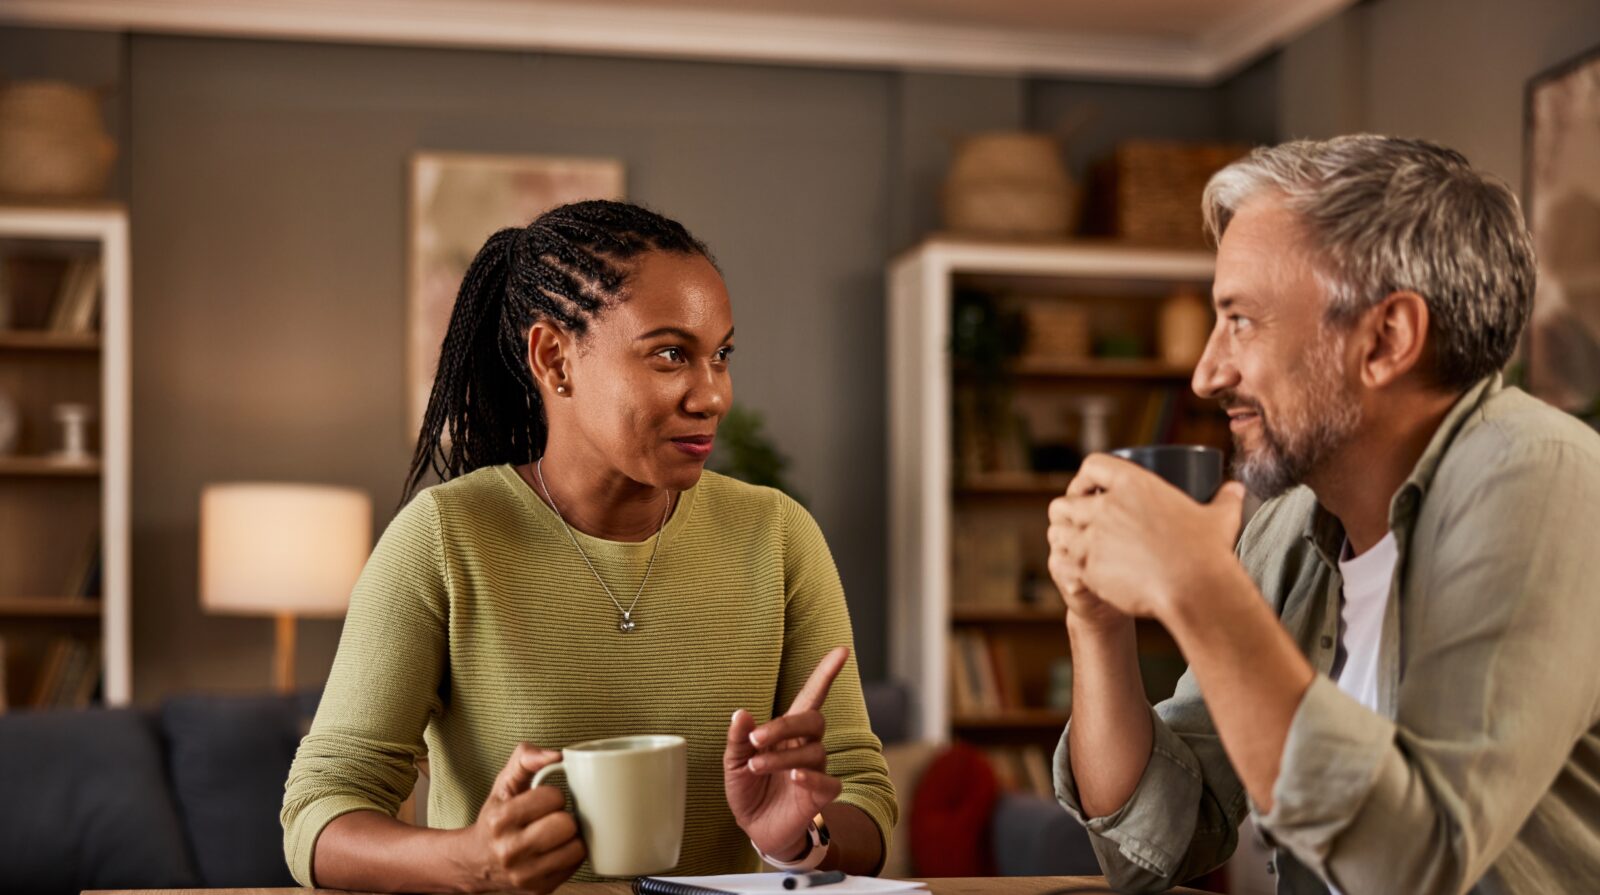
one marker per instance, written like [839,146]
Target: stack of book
[68,676]
[1022,769]
[983,674]
[83,579]
[77,303]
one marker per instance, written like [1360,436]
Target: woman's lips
[698,447]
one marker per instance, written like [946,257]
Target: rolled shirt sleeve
[1499,685]
[1183,816]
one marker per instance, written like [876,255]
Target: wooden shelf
[1012,719]
[48,607]
[45,468]
[1030,615]
[44,340]
[1019,484]
[1100,368]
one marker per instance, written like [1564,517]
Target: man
[1396,669]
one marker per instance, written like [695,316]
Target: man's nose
[1216,372]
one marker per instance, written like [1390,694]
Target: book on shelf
[77,298]
[985,674]
[1022,769]
[962,697]
[68,675]
[83,579]
[4,703]
[1037,770]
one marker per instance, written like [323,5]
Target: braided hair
[565,267]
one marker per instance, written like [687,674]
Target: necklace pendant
[626,625]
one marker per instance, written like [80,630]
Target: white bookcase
[924,501]
[49,512]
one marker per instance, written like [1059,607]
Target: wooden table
[988,885]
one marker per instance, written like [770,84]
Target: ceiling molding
[596,28]
[1234,45]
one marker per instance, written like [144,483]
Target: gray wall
[266,182]
[1453,71]
[269,201]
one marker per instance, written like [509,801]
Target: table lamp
[282,550]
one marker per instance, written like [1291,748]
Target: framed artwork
[1562,185]
[456,201]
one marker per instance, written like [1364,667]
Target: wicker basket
[1057,330]
[53,143]
[1149,193]
[1009,184]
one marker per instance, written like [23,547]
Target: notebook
[764,884]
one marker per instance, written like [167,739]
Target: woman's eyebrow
[675,331]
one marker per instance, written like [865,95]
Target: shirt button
[1326,641]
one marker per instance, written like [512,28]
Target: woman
[578,575]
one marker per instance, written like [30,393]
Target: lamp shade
[269,549]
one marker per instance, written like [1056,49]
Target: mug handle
[546,771]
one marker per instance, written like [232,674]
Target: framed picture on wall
[1562,158]
[456,200]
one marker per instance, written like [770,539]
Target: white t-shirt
[1366,594]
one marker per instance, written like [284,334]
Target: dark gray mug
[1193,469]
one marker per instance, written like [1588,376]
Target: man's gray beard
[1288,456]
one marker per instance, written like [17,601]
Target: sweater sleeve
[361,752]
[816,620]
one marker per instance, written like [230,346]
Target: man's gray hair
[1385,214]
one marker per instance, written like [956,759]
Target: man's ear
[549,348]
[1395,338]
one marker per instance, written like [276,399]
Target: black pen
[808,880]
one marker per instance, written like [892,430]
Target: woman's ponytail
[482,394]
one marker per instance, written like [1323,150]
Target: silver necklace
[627,623]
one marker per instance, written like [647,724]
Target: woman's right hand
[523,840]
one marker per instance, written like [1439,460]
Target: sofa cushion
[950,814]
[229,757]
[86,805]
[1035,836]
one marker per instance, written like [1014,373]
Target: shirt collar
[1324,531]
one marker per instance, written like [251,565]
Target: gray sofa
[182,796]
[187,795]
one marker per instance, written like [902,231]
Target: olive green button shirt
[1480,771]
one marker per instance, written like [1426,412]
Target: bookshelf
[976,628]
[64,586]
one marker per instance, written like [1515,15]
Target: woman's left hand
[776,775]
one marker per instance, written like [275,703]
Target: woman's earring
[561,389]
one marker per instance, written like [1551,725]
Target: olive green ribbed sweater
[476,625]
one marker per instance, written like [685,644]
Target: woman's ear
[548,350]
[1397,335]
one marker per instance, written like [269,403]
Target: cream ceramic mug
[629,793]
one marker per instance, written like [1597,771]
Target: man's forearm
[1250,672]
[1110,736]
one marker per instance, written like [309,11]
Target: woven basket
[53,143]
[1154,189]
[1009,184]
[1056,330]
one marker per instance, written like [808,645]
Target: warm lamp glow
[267,549]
